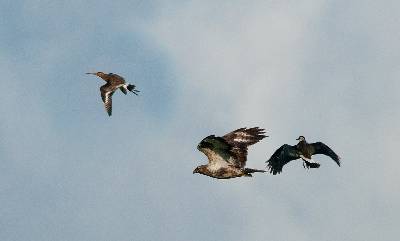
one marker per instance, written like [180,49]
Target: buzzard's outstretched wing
[321,148]
[216,149]
[106,95]
[239,140]
[281,157]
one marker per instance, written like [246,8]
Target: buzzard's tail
[131,88]
[248,171]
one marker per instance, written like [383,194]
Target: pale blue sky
[328,70]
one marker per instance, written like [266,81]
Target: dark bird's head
[301,138]
[97,74]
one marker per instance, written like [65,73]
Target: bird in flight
[114,82]
[303,150]
[227,155]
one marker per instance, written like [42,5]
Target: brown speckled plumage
[227,155]
[114,82]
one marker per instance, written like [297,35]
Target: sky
[328,70]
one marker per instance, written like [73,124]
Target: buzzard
[227,155]
[114,82]
[303,150]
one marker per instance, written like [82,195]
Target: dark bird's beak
[298,139]
[91,73]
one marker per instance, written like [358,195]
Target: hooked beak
[298,139]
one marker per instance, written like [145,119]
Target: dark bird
[303,150]
[227,155]
[114,82]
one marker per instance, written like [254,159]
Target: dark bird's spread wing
[281,157]
[240,139]
[321,148]
[106,95]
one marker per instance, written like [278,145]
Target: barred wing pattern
[240,139]
[106,95]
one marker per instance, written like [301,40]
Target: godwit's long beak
[91,73]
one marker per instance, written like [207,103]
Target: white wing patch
[215,161]
[215,166]
[108,102]
[107,97]
[242,140]
[242,137]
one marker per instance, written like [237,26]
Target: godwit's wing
[107,91]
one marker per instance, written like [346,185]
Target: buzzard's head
[199,169]
[301,138]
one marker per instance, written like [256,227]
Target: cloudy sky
[328,70]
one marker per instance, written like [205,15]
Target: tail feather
[132,89]
[249,170]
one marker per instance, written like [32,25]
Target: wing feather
[240,139]
[321,148]
[116,76]
[281,157]
[245,136]
[216,149]
[106,92]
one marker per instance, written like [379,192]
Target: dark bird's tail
[132,89]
